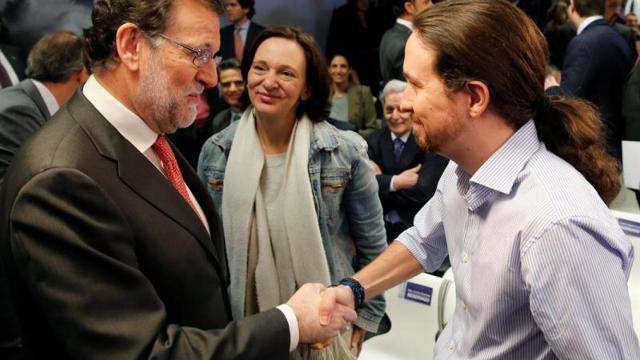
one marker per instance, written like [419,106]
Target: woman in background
[350,101]
[298,197]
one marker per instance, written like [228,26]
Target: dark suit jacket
[595,68]
[15,59]
[108,261]
[22,113]
[631,106]
[629,37]
[406,202]
[392,52]
[227,48]
[221,121]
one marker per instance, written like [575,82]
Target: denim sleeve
[364,212]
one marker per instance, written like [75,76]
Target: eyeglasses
[201,57]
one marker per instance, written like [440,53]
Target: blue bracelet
[356,288]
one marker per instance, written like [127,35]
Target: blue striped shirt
[540,264]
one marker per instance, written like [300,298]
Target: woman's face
[276,79]
[339,70]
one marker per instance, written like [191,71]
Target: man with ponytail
[540,264]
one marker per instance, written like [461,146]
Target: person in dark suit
[232,85]
[112,245]
[56,70]
[596,65]
[407,176]
[236,39]
[358,22]
[631,112]
[394,39]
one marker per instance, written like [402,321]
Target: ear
[306,94]
[409,7]
[479,97]
[128,43]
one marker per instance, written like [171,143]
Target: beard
[167,106]
[434,138]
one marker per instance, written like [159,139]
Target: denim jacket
[345,194]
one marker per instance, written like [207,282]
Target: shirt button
[465,258]
[452,344]
[464,306]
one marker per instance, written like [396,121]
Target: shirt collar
[49,100]
[500,171]
[406,23]
[245,26]
[586,22]
[404,137]
[128,124]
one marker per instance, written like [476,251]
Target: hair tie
[545,104]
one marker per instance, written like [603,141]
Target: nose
[269,81]
[207,74]
[406,102]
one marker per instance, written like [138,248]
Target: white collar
[404,137]
[127,123]
[49,100]
[586,22]
[406,23]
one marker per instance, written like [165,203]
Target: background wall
[28,20]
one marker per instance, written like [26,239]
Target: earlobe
[128,45]
[479,97]
[306,94]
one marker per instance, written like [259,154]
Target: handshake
[322,312]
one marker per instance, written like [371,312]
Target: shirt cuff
[391,187]
[288,313]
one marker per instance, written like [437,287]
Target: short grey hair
[55,57]
[392,87]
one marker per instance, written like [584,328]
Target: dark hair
[151,16]
[474,48]
[586,8]
[248,4]
[398,6]
[557,15]
[317,77]
[55,57]
[230,63]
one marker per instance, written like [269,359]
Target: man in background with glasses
[112,245]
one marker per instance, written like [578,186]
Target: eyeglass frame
[197,53]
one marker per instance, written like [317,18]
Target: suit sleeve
[576,71]
[75,254]
[432,168]
[18,124]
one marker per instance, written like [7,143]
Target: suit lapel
[135,170]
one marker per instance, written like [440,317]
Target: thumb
[417,168]
[327,305]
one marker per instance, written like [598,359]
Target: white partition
[418,309]
[630,223]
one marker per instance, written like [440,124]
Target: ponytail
[571,128]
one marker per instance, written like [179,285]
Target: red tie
[171,169]
[237,42]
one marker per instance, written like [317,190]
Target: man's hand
[357,337]
[320,317]
[376,168]
[407,179]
